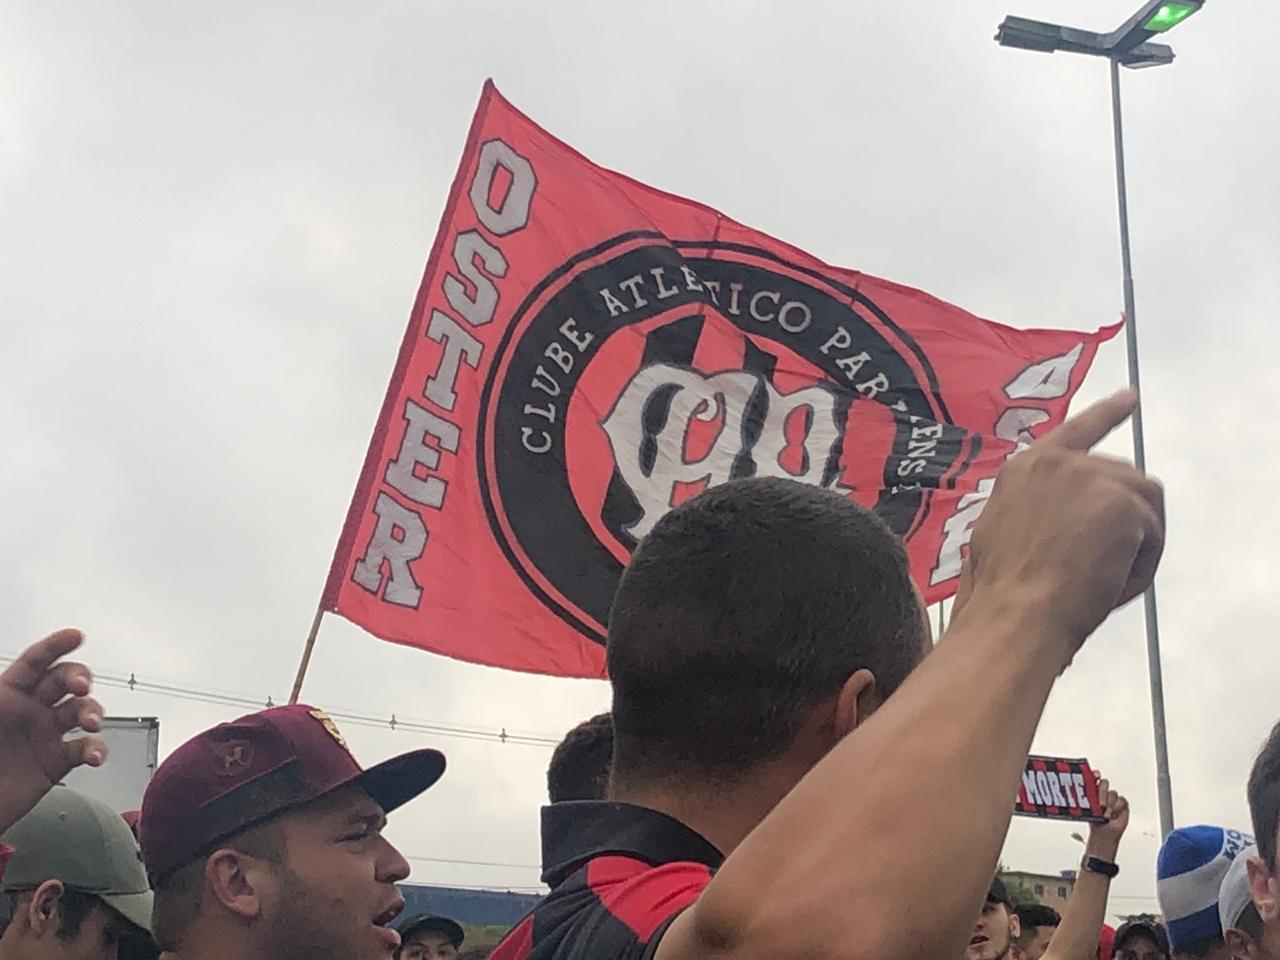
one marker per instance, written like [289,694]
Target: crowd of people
[788,753]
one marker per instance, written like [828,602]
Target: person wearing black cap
[997,926]
[1141,939]
[430,938]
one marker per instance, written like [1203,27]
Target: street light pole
[1129,45]
[1164,785]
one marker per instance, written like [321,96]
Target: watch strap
[1097,865]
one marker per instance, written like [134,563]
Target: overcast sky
[213,221]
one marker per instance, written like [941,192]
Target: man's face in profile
[993,933]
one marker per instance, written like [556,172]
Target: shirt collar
[574,832]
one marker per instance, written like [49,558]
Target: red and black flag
[587,352]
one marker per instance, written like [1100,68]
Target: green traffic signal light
[1170,15]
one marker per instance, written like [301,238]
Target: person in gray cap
[1241,923]
[74,881]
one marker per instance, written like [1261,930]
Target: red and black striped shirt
[619,874]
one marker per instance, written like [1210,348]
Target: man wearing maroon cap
[263,838]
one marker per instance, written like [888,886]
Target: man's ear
[238,882]
[1263,889]
[1015,925]
[44,909]
[858,699]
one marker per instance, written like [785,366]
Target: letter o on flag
[514,212]
[794,306]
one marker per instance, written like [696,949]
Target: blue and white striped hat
[1189,872]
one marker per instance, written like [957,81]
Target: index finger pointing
[29,669]
[1092,424]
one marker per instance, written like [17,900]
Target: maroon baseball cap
[241,773]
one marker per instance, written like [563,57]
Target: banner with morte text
[1059,789]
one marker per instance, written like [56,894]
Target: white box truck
[133,745]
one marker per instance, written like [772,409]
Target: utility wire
[227,698]
[240,700]
[391,721]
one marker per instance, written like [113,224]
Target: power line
[195,695]
[243,701]
[392,722]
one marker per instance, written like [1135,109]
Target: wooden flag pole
[306,655]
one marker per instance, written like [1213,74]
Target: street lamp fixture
[1023,34]
[1128,44]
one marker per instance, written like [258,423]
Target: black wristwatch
[1097,865]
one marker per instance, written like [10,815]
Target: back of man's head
[743,609]
[1037,923]
[1035,915]
[579,767]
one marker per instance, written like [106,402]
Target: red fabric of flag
[587,352]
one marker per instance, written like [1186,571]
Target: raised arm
[41,699]
[1077,935]
[886,848]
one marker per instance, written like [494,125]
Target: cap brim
[395,782]
[134,907]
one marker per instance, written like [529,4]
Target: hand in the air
[41,699]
